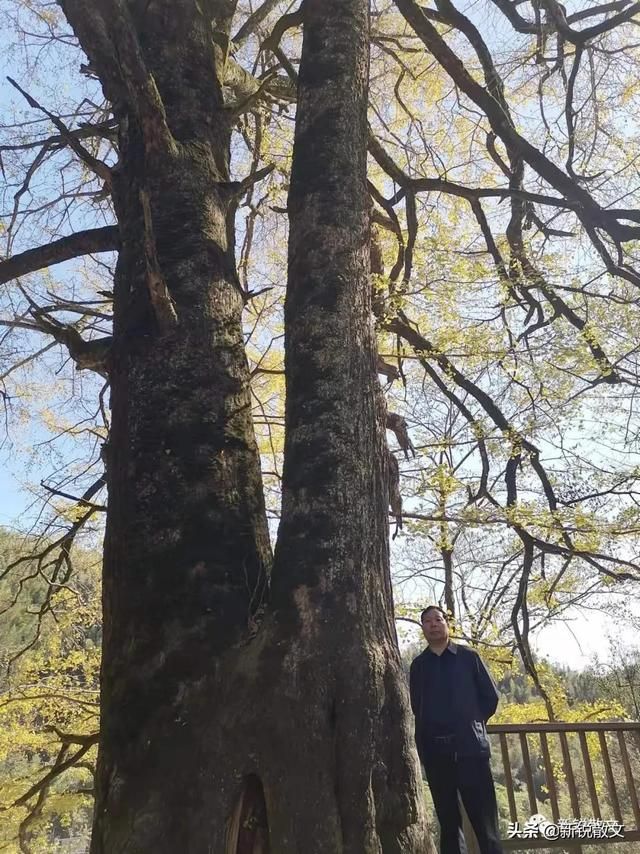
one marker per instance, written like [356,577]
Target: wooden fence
[601,746]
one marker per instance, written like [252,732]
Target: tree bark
[331,589]
[214,738]
[187,549]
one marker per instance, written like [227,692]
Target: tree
[299,721]
[49,703]
[505,297]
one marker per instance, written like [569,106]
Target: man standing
[452,697]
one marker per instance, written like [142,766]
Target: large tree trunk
[331,590]
[295,741]
[187,549]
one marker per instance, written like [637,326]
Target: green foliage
[49,701]
[490,331]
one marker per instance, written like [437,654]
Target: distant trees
[49,701]
[142,343]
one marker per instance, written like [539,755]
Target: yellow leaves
[48,419]
[630,92]
[53,685]
[520,713]
[69,512]
[588,531]
[49,16]
[495,653]
[442,480]
[591,333]
[535,710]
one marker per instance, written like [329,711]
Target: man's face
[434,627]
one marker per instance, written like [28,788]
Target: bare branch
[253,21]
[101,169]
[56,771]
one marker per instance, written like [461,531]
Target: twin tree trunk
[294,740]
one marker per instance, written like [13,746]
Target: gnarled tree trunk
[331,586]
[295,740]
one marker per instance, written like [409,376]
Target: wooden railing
[600,796]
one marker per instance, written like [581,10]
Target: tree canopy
[504,199]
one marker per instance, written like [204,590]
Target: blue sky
[12,497]
[576,644]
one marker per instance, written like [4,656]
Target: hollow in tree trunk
[214,739]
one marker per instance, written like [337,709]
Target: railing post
[549,777]
[506,764]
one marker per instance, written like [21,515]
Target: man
[452,697]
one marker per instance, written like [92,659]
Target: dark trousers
[471,777]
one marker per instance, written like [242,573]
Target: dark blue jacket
[473,701]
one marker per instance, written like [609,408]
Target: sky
[584,640]
[577,643]
[20,508]
[10,493]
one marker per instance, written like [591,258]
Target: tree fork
[316,702]
[306,724]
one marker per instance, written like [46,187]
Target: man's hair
[434,608]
